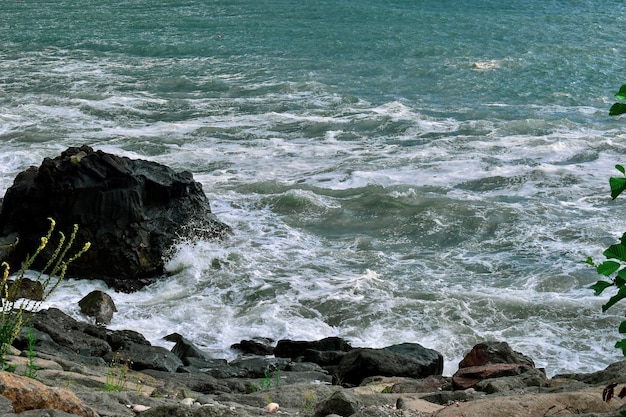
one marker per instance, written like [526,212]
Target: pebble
[188,401]
[138,408]
[271,408]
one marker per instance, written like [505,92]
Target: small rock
[272,408]
[99,305]
[341,402]
[138,408]
[188,401]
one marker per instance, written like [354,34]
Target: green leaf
[621,345]
[622,327]
[621,94]
[620,169]
[617,109]
[617,251]
[589,261]
[600,286]
[620,279]
[621,294]
[617,185]
[606,268]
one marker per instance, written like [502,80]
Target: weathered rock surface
[141,381]
[341,403]
[29,394]
[131,211]
[491,352]
[99,305]
[297,348]
[490,360]
[406,359]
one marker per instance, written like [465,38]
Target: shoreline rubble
[90,371]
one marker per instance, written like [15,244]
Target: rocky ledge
[79,369]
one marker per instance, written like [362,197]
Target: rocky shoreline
[81,369]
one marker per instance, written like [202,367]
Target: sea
[395,171]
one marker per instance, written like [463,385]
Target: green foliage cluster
[31,367]
[15,312]
[619,108]
[117,375]
[270,380]
[613,269]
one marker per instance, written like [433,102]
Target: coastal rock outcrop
[406,359]
[131,211]
[492,360]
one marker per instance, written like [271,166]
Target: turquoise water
[394,171]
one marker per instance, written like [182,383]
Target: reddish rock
[468,377]
[491,352]
[27,394]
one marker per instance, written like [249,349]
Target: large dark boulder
[296,348]
[407,359]
[131,211]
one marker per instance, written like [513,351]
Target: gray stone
[185,349]
[99,305]
[616,372]
[295,348]
[139,357]
[532,378]
[340,402]
[408,360]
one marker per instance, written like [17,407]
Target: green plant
[117,375]
[614,267]
[31,368]
[388,389]
[308,404]
[337,379]
[270,380]
[619,108]
[16,313]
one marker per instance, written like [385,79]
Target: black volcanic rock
[131,211]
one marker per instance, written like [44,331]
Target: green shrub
[614,267]
[16,313]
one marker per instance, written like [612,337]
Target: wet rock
[252,347]
[25,288]
[259,366]
[69,333]
[407,359]
[131,211]
[99,305]
[296,348]
[616,372]
[184,349]
[120,339]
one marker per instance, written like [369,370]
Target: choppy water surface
[396,171]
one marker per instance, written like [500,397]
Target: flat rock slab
[533,405]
